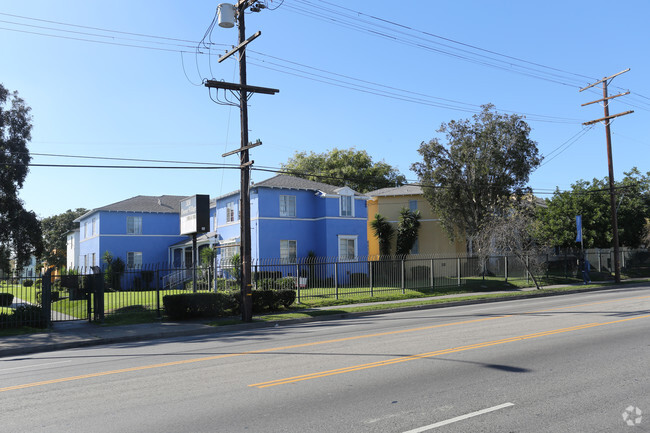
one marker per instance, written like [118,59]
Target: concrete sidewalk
[66,335]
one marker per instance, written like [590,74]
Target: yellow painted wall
[431,237]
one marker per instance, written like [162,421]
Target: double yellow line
[435,353]
[337,340]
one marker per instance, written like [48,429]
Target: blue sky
[376,76]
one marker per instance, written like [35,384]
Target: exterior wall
[315,227]
[159,231]
[72,252]
[432,239]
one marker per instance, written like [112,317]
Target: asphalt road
[570,363]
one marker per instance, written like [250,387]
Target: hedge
[6,299]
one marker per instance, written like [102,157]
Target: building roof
[142,203]
[396,191]
[283,181]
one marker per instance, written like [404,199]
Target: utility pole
[245,163]
[612,191]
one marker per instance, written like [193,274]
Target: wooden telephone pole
[612,191]
[245,163]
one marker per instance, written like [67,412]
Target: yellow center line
[435,353]
[276,349]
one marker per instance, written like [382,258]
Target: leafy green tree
[345,167]
[384,232]
[407,231]
[20,231]
[592,201]
[54,235]
[482,161]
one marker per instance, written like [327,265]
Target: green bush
[265,284]
[55,296]
[287,283]
[196,305]
[37,283]
[273,275]
[28,283]
[420,272]
[29,315]
[6,299]
[286,297]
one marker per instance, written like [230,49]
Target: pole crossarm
[608,117]
[239,47]
[241,149]
[606,99]
[216,84]
[604,79]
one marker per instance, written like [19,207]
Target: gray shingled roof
[292,182]
[396,191]
[143,203]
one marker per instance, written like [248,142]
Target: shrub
[420,272]
[286,283]
[37,283]
[6,299]
[54,296]
[30,315]
[286,297]
[28,283]
[274,275]
[196,305]
[70,281]
[265,284]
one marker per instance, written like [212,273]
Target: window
[86,230]
[288,205]
[347,247]
[288,251]
[230,212]
[93,229]
[134,225]
[413,205]
[134,259]
[85,261]
[347,202]
[92,261]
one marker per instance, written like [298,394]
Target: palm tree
[384,231]
[407,231]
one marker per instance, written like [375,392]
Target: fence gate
[73,297]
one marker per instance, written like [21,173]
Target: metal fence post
[370,278]
[527,273]
[158,312]
[46,297]
[599,260]
[336,279]
[505,267]
[458,270]
[403,276]
[433,281]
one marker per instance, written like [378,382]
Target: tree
[482,162]
[592,201]
[407,231]
[384,232]
[350,167]
[54,235]
[20,231]
[512,229]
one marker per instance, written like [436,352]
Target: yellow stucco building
[432,239]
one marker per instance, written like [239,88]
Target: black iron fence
[93,294]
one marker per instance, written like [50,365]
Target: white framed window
[85,261]
[413,205]
[134,259]
[416,247]
[86,229]
[347,205]
[93,229]
[287,205]
[93,260]
[134,225]
[227,253]
[288,251]
[230,212]
[347,247]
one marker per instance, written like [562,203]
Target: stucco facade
[388,202]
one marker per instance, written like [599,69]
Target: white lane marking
[460,418]
[32,366]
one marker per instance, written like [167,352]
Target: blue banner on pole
[579,227]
